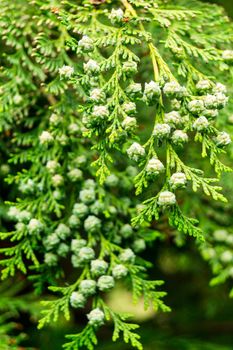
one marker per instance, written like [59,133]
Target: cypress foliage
[113,114]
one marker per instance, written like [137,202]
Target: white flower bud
[20,226]
[131,171]
[75,175]
[91,67]
[100,112]
[5,169]
[174,89]
[77,244]
[116,15]
[92,223]
[51,241]
[166,198]
[129,67]
[74,221]
[134,90]
[105,283]
[129,107]
[211,113]
[87,196]
[231,272]
[229,239]
[77,300]
[227,55]
[50,259]
[17,99]
[208,253]
[34,226]
[87,287]
[57,194]
[221,100]
[24,216]
[196,106]
[66,71]
[129,123]
[210,101]
[80,160]
[223,139]
[73,129]
[179,137]
[230,119]
[119,271]
[45,138]
[154,166]
[112,210]
[135,151]
[75,261]
[176,104]
[162,130]
[151,92]
[96,317]
[89,184]
[63,250]
[152,88]
[226,257]
[173,118]
[57,180]
[201,124]
[27,187]
[203,85]
[220,88]
[63,231]
[126,230]
[127,256]
[220,235]
[13,213]
[86,43]
[99,267]
[52,166]
[97,207]
[112,180]
[55,119]
[178,180]
[97,95]
[62,139]
[117,239]
[139,245]
[86,254]
[80,209]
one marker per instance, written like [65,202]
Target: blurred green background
[227,4]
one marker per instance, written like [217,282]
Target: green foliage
[87,338]
[11,304]
[109,119]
